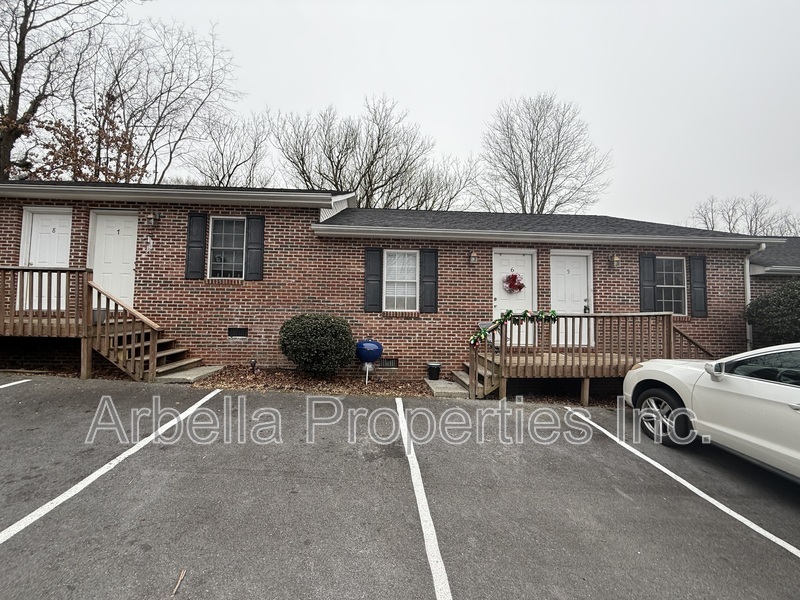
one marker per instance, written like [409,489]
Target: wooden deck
[582,346]
[66,303]
[552,364]
[41,324]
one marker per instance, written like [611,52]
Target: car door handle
[795,407]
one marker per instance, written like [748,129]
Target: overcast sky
[693,98]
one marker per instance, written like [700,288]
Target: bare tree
[755,214]
[163,79]
[538,158]
[40,43]
[168,79]
[94,148]
[379,155]
[234,153]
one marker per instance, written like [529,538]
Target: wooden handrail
[45,269]
[684,338]
[122,334]
[42,301]
[133,312]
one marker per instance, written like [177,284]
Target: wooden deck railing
[64,302]
[575,346]
[122,334]
[36,302]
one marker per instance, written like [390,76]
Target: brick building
[221,269]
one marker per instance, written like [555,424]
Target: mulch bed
[242,378]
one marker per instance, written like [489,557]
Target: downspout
[749,328]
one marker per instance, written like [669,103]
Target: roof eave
[326,230]
[780,270]
[223,196]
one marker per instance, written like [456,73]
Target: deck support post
[86,358]
[585,391]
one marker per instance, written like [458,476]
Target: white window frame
[685,283]
[383,282]
[211,246]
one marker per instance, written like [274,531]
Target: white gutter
[781,270]
[178,195]
[747,298]
[325,230]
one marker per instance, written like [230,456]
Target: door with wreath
[514,288]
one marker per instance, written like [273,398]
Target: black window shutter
[428,280]
[697,272]
[254,250]
[196,246]
[647,282]
[373,280]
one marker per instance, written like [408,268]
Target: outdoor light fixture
[614,261]
[473,258]
[152,218]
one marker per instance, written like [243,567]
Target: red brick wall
[306,273]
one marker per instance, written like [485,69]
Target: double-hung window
[667,285]
[225,247]
[401,280]
[226,252]
[671,285]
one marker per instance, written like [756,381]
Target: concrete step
[189,375]
[441,388]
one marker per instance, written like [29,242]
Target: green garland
[527,316]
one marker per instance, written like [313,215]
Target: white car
[748,403]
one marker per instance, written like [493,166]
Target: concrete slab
[442,388]
[189,375]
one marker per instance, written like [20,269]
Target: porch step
[189,375]
[461,378]
[481,370]
[442,388]
[170,353]
[178,365]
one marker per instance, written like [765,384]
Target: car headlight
[637,366]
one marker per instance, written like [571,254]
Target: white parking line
[728,511]
[5,385]
[14,529]
[440,582]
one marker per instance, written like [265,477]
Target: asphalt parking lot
[262,512]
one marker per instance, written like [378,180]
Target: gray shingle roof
[783,255]
[510,222]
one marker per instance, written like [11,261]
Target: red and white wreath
[512,283]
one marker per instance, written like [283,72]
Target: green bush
[775,316]
[317,343]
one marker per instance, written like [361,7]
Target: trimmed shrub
[317,343]
[775,316]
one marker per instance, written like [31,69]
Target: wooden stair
[130,340]
[131,348]
[488,379]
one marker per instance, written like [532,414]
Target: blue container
[368,351]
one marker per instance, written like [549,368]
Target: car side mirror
[715,370]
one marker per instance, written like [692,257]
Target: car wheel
[657,419]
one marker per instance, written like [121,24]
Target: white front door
[521,264]
[45,243]
[569,288]
[114,253]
